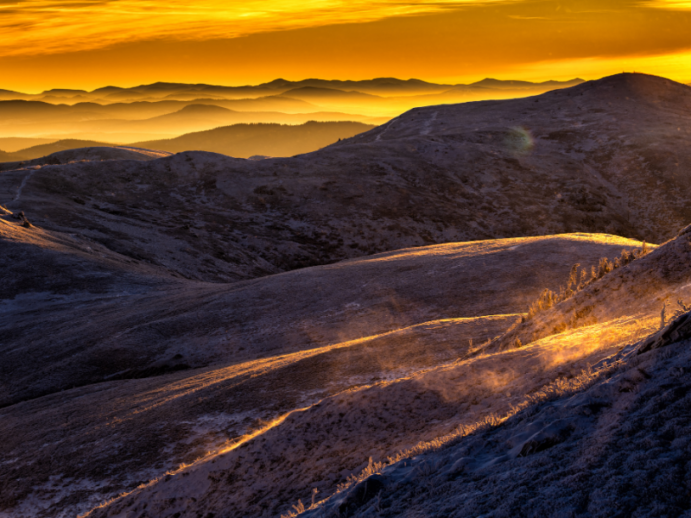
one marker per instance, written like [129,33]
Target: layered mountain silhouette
[240,140]
[245,140]
[125,115]
[359,330]
[596,158]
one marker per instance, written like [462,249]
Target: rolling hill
[213,362]
[245,140]
[594,158]
[42,150]
[349,332]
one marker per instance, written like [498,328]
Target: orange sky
[91,43]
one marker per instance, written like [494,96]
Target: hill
[87,154]
[583,445]
[199,335]
[559,421]
[13,144]
[245,140]
[157,342]
[594,158]
[42,150]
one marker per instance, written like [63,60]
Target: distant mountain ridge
[377,86]
[238,140]
[276,140]
[117,114]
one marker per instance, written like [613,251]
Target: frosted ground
[199,335]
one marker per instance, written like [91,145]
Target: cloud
[92,43]
[45,26]
[670,4]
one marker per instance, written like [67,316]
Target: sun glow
[49,26]
[92,43]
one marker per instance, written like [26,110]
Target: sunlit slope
[168,420]
[589,443]
[460,407]
[322,445]
[175,324]
[176,368]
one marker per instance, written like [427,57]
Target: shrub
[579,279]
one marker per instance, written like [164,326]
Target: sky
[87,44]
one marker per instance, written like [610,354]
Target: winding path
[24,181]
[427,127]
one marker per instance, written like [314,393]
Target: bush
[579,279]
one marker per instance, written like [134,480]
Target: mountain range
[471,309]
[167,110]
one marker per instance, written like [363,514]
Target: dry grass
[567,347]
[561,387]
[580,278]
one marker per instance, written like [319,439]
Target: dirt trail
[24,182]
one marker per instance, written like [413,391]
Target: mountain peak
[644,87]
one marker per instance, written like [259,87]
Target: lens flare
[520,140]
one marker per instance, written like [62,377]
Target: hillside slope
[122,352]
[597,157]
[83,154]
[614,439]
[246,140]
[578,420]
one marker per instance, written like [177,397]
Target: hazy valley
[158,111]
[358,330]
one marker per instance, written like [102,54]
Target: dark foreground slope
[597,157]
